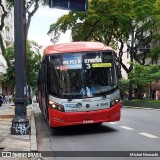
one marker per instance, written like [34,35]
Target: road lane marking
[148,135]
[144,114]
[112,122]
[127,128]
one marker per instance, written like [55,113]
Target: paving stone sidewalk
[10,142]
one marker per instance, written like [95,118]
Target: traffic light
[73,5]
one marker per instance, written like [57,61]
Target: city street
[138,130]
[73,62]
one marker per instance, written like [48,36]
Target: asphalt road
[138,130]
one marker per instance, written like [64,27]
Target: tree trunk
[2,45]
[3,15]
[30,15]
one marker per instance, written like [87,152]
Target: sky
[40,25]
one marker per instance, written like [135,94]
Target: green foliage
[143,8]
[123,84]
[32,64]
[142,103]
[10,2]
[154,54]
[105,21]
[109,22]
[142,75]
[33,61]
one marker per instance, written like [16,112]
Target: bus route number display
[96,62]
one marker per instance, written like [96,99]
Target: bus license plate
[88,121]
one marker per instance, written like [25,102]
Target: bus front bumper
[59,119]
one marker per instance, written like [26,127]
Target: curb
[33,138]
[141,108]
[7,116]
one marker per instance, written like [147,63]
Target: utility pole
[20,123]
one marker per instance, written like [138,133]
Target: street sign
[73,5]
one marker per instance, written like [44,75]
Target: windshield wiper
[109,91]
[103,94]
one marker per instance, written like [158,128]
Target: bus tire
[98,124]
[48,121]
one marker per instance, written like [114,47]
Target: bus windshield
[81,75]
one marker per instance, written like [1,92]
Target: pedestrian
[13,98]
[157,95]
[29,100]
[144,96]
[10,98]
[1,100]
[6,99]
[133,95]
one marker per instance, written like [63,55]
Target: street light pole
[131,58]
[20,123]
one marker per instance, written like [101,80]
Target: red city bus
[78,84]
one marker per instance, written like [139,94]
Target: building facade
[7,34]
[142,53]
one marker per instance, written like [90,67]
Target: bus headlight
[115,101]
[56,106]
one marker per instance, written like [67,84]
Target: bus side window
[118,71]
[43,71]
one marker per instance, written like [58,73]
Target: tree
[123,85]
[109,21]
[154,54]
[4,13]
[31,8]
[143,75]
[33,60]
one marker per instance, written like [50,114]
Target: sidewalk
[10,142]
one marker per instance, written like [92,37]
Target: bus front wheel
[48,119]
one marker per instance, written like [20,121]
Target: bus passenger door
[44,94]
